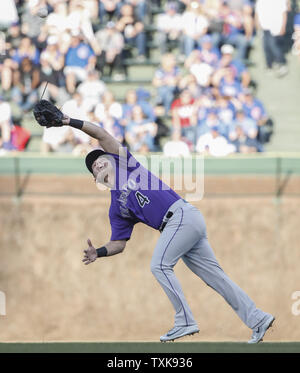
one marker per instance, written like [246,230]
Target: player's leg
[177,237]
[202,261]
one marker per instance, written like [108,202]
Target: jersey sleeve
[121,228]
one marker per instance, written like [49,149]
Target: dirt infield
[52,296]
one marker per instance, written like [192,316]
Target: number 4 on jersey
[142,200]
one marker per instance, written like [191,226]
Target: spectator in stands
[92,9]
[92,90]
[72,140]
[228,85]
[76,106]
[205,103]
[31,22]
[169,27]
[79,59]
[140,132]
[203,61]
[79,22]
[253,107]
[57,21]
[108,108]
[10,42]
[141,9]
[111,43]
[26,81]
[226,110]
[110,124]
[233,31]
[194,26]
[18,46]
[51,66]
[227,60]
[109,10]
[271,17]
[184,117]
[243,134]
[202,71]
[41,40]
[14,37]
[190,83]
[26,49]
[8,14]
[166,79]
[212,12]
[213,143]
[248,19]
[132,30]
[93,119]
[58,139]
[248,126]
[175,147]
[132,100]
[113,127]
[5,126]
[208,52]
[296,35]
[210,120]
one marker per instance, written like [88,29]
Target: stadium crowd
[202,83]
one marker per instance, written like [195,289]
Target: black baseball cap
[91,157]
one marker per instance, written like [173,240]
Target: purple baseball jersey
[139,196]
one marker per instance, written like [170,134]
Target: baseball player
[139,196]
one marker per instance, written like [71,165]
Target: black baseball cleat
[178,332]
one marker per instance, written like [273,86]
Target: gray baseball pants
[185,237]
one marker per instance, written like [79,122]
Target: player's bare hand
[90,254]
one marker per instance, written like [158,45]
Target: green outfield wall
[266,163]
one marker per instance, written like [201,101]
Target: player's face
[104,172]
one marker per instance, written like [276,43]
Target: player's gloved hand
[48,115]
[90,254]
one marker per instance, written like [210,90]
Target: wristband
[102,251]
[76,123]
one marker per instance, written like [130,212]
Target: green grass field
[150,347]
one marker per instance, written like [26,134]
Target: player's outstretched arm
[111,248]
[48,115]
[107,142]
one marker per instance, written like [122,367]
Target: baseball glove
[47,115]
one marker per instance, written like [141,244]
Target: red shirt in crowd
[184,110]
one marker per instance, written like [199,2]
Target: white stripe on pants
[185,237]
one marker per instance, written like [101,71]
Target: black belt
[166,218]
